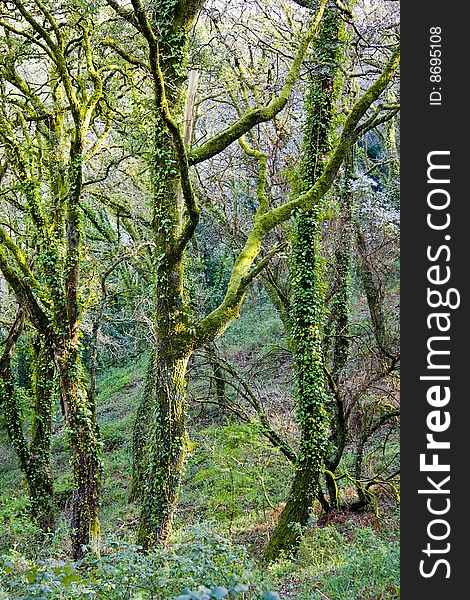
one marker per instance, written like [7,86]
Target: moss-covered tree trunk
[85,447]
[160,428]
[48,167]
[35,457]
[78,405]
[166,448]
[307,322]
[160,437]
[40,480]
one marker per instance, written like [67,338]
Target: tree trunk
[374,292]
[166,448]
[307,321]
[143,425]
[160,437]
[218,375]
[84,442]
[340,325]
[40,479]
[307,338]
[160,428]
[35,458]
[294,517]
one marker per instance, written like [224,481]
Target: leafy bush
[16,528]
[199,565]
[28,579]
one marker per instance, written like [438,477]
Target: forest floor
[234,488]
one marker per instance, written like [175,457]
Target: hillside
[234,487]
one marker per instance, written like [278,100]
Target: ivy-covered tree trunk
[160,437]
[34,458]
[85,447]
[306,335]
[166,448]
[141,431]
[40,480]
[161,449]
[160,429]
[307,302]
[160,425]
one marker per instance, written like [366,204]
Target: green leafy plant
[199,565]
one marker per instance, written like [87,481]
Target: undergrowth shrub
[199,564]
[16,527]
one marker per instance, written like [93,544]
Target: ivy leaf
[240,587]
[219,592]
[271,596]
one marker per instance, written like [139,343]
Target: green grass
[235,478]
[358,564]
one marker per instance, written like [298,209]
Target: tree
[34,456]
[52,121]
[307,321]
[160,429]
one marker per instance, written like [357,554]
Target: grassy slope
[234,479]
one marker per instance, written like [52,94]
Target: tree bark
[84,441]
[166,449]
[34,458]
[307,324]
[40,480]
